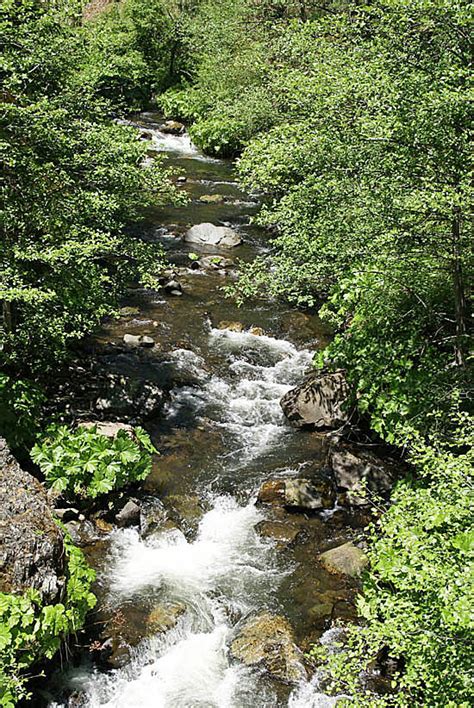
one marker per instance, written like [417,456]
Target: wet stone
[308,494]
[153,516]
[345,560]
[129,515]
[267,641]
[284,534]
[231,326]
[165,616]
[134,340]
[129,311]
[272,492]
[211,199]
[108,428]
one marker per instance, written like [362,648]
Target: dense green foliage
[133,52]
[84,463]
[30,630]
[72,180]
[355,123]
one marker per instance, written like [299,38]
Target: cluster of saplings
[354,122]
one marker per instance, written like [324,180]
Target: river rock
[211,199]
[172,127]
[345,560]
[164,617]
[82,532]
[129,311]
[284,534]
[231,326]
[268,641]
[153,515]
[272,492]
[215,262]
[318,402]
[308,494]
[355,470]
[211,235]
[129,515]
[31,544]
[68,514]
[256,331]
[298,494]
[134,340]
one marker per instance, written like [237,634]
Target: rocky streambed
[245,545]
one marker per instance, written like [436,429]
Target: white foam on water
[246,403]
[227,557]
[180,144]
[183,669]
[224,570]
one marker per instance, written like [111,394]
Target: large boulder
[210,235]
[345,560]
[320,401]
[31,544]
[361,474]
[267,641]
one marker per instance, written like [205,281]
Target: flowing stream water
[221,434]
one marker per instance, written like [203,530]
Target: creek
[221,434]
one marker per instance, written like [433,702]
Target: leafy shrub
[20,404]
[417,599]
[30,630]
[84,463]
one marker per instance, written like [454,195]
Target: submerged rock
[318,402]
[215,262]
[357,470]
[31,544]
[128,311]
[211,235]
[284,534]
[345,560]
[268,641]
[164,617]
[231,326]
